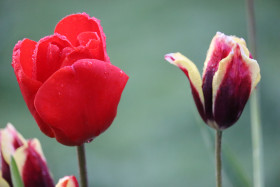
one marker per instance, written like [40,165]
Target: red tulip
[229,76]
[68,181]
[67,81]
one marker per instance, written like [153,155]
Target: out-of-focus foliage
[155,139]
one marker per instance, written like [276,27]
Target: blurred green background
[157,137]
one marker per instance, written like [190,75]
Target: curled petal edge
[251,63]
[191,71]
[8,136]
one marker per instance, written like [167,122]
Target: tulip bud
[32,165]
[68,181]
[10,140]
[229,77]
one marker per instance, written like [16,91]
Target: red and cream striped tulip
[68,181]
[229,76]
[32,165]
[10,141]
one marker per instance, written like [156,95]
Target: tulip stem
[256,126]
[218,158]
[82,165]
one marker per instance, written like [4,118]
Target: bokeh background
[157,138]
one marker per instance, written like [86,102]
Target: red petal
[78,53]
[22,54]
[72,25]
[25,48]
[233,91]
[49,56]
[80,102]
[92,41]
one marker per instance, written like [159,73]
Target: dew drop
[90,140]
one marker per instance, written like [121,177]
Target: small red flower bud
[68,181]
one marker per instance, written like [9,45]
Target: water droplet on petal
[90,140]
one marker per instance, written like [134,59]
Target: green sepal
[16,179]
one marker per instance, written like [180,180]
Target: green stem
[82,165]
[256,141]
[218,158]
[256,128]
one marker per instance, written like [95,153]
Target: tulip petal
[48,56]
[68,181]
[22,57]
[191,71]
[10,140]
[219,49]
[25,48]
[93,43]
[232,86]
[3,182]
[78,53]
[80,101]
[32,165]
[72,25]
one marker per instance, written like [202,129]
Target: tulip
[229,76]
[10,141]
[67,81]
[28,156]
[32,165]
[68,181]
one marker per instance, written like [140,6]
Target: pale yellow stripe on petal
[254,68]
[35,143]
[4,183]
[181,61]
[8,136]
[219,75]
[20,158]
[241,43]
[71,184]
[210,51]
[253,64]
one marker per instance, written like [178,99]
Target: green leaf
[16,179]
